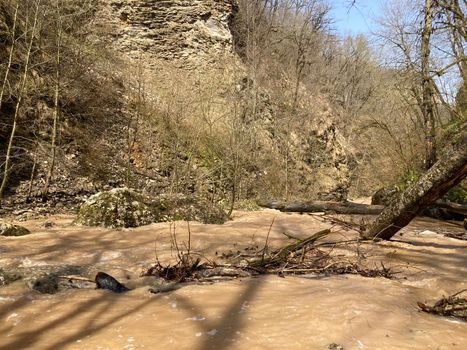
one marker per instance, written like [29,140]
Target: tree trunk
[10,57]
[460,209]
[428,109]
[8,156]
[450,170]
[319,206]
[56,115]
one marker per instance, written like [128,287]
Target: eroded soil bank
[295,312]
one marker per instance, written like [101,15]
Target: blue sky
[357,20]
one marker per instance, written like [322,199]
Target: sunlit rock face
[196,33]
[189,30]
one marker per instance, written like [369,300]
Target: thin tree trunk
[234,183]
[450,170]
[10,57]
[6,169]
[31,178]
[56,114]
[428,110]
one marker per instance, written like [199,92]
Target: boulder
[45,279]
[124,207]
[49,279]
[7,229]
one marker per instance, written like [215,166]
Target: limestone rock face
[193,30]
[322,155]
[7,229]
[123,207]
[329,161]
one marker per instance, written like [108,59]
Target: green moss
[457,195]
[406,180]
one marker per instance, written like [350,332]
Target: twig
[288,235]
[462,291]
[267,239]
[77,278]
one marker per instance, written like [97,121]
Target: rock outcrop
[123,207]
[194,31]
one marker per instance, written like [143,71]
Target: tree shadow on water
[92,321]
[232,320]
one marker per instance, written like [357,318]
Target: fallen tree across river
[352,208]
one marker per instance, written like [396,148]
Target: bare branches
[24,78]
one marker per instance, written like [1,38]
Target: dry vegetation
[250,127]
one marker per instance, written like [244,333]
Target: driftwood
[451,306]
[280,255]
[452,207]
[352,208]
[77,278]
[299,257]
[319,206]
[450,170]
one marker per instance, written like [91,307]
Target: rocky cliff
[194,32]
[191,30]
[117,135]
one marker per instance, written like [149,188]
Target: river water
[267,312]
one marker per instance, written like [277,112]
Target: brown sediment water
[267,312]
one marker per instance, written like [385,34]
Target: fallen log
[320,206]
[449,209]
[452,207]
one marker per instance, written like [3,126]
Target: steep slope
[174,114]
[193,34]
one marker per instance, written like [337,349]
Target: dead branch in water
[280,255]
[77,278]
[187,264]
[451,306]
[300,257]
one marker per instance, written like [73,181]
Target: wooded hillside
[276,105]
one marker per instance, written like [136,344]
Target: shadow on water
[94,310]
[232,320]
[92,317]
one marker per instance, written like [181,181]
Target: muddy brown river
[267,312]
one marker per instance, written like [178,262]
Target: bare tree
[21,91]
[10,56]
[56,111]
[429,53]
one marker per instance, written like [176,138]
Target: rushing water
[268,312]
